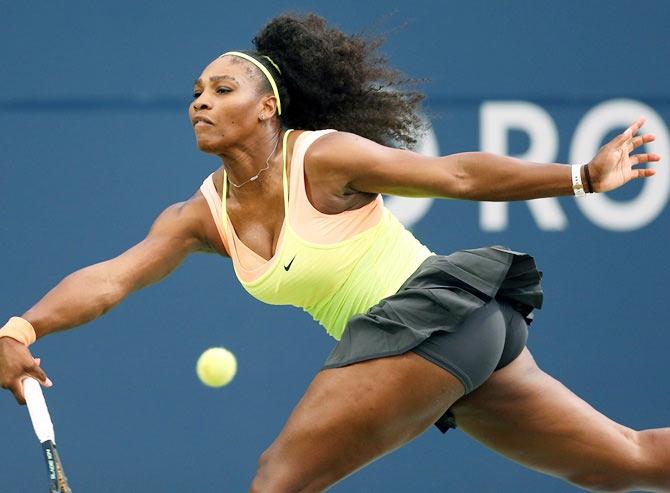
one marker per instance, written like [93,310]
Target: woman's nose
[201,104]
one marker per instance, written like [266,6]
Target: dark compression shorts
[487,340]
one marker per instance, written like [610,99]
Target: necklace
[267,166]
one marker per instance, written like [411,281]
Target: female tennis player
[423,339]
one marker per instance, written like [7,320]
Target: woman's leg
[352,415]
[531,418]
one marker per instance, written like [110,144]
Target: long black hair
[333,80]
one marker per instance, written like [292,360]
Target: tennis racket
[44,429]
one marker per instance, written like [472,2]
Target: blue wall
[95,143]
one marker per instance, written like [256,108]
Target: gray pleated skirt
[437,297]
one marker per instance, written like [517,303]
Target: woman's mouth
[201,120]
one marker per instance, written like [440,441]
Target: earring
[261,117]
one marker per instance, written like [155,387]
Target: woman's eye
[220,90]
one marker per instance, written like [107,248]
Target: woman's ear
[268,108]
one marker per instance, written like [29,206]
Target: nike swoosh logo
[287,267]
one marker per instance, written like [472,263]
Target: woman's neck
[249,165]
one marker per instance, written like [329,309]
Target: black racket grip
[57,479]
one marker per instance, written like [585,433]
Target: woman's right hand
[16,363]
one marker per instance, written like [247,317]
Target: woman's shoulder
[332,159]
[336,149]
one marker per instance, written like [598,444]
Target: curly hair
[332,80]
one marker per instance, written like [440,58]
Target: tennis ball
[216,367]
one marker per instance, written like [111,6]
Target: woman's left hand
[613,166]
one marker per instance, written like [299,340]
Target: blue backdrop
[95,142]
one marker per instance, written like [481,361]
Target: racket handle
[48,449]
[39,413]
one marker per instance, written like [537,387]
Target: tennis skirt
[438,299]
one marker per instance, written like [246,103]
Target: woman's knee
[276,474]
[271,475]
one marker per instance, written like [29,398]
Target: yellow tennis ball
[216,367]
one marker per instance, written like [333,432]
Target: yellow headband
[262,69]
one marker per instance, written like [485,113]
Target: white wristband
[577,185]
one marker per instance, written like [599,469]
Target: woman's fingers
[643,173]
[617,154]
[637,125]
[641,140]
[38,374]
[629,132]
[644,158]
[35,372]
[17,390]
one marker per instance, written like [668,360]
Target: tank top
[333,266]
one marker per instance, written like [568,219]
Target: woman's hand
[613,165]
[16,363]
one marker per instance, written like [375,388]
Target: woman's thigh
[352,415]
[531,418]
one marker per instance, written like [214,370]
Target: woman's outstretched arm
[358,164]
[92,291]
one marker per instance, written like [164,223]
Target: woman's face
[226,103]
